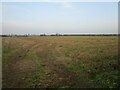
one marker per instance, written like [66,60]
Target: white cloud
[66,4]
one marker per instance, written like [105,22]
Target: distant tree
[42,34]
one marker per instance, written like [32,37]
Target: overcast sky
[60,17]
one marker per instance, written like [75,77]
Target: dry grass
[60,61]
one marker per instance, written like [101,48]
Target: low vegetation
[60,62]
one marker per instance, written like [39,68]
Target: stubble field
[60,62]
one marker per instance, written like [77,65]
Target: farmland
[60,62]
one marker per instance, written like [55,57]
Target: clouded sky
[60,17]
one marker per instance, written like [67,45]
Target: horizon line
[64,34]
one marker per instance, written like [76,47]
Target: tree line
[26,35]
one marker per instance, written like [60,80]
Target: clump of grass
[7,52]
[34,80]
[60,46]
[107,79]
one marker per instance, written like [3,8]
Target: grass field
[60,61]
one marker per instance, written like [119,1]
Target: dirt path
[18,68]
[15,73]
[61,74]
